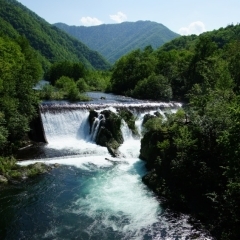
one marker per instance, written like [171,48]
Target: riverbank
[11,172]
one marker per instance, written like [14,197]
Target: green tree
[19,71]
[153,87]
[130,69]
[68,69]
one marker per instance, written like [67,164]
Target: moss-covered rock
[109,134]
[147,117]
[129,118]
[11,172]
[113,124]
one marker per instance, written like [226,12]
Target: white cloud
[119,17]
[193,28]
[89,21]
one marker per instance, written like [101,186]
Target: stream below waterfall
[91,195]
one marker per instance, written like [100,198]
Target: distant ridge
[52,43]
[115,40]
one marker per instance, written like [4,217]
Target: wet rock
[158,114]
[113,125]
[109,133]
[40,167]
[92,115]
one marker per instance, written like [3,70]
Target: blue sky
[181,16]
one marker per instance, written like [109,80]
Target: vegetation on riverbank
[193,161]
[69,81]
[11,172]
[193,157]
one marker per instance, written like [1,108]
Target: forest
[194,158]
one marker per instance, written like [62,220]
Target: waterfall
[69,126]
[126,132]
[95,126]
[93,195]
[70,131]
[65,125]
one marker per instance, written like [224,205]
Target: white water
[70,130]
[114,199]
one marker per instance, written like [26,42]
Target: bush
[82,85]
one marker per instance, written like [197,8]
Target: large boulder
[109,134]
[113,124]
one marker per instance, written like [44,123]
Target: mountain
[115,40]
[51,42]
[221,37]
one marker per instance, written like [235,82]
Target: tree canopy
[19,72]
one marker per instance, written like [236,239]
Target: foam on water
[118,200]
[76,161]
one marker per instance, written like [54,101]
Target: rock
[130,120]
[92,115]
[109,133]
[113,125]
[38,168]
[158,114]
[3,179]
[103,136]
[147,117]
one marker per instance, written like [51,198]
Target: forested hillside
[19,71]
[52,44]
[116,40]
[178,63]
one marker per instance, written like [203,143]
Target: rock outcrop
[108,130]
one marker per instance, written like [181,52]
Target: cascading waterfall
[126,132]
[96,196]
[96,125]
[70,130]
[95,128]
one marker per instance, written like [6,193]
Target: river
[90,195]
